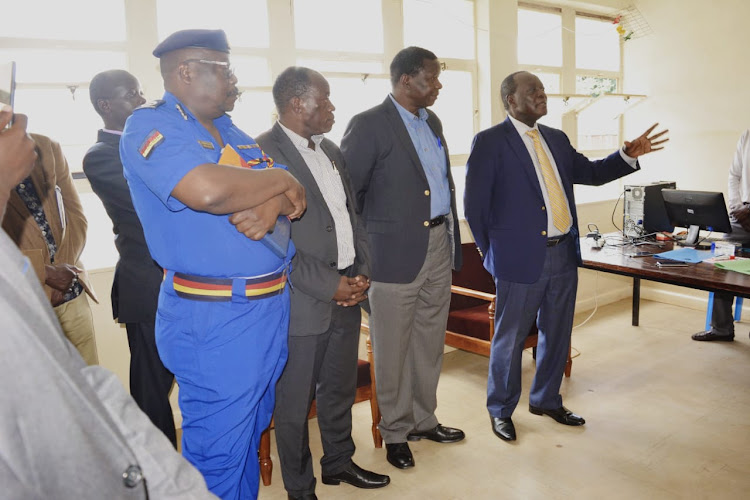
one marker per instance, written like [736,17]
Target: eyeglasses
[228,70]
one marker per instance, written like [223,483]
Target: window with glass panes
[578,58]
[351,42]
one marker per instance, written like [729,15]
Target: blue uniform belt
[207,289]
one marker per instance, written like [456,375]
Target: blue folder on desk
[689,255]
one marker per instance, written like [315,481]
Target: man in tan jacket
[45,219]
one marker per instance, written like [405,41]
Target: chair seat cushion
[473,322]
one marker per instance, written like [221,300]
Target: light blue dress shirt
[432,156]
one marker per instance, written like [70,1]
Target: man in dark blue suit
[520,206]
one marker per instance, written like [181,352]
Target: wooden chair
[365,391]
[471,321]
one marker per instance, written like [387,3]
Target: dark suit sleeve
[314,277]
[598,172]
[481,169]
[108,183]
[360,151]
[361,241]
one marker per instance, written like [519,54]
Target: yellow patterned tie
[560,213]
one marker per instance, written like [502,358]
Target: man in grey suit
[400,171]
[135,289]
[67,430]
[330,277]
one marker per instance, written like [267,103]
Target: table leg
[636,299]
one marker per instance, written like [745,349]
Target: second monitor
[696,210]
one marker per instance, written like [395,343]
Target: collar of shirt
[299,141]
[521,127]
[113,132]
[406,115]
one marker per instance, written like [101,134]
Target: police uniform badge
[153,139]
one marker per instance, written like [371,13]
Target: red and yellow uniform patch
[153,139]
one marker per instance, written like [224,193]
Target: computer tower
[644,211]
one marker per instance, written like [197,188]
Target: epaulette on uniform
[152,104]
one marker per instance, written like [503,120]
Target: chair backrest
[472,275]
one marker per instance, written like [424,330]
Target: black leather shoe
[399,455]
[306,496]
[711,335]
[439,434]
[503,428]
[562,415]
[357,476]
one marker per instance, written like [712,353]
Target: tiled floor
[667,418]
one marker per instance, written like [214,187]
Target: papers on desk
[689,255]
[736,265]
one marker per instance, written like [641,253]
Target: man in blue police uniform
[223,313]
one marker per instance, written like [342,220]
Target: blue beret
[203,39]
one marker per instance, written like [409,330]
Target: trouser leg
[226,357]
[150,381]
[294,393]
[337,385]
[407,317]
[555,323]
[77,323]
[428,338]
[722,319]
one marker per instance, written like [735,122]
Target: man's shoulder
[501,128]
[151,111]
[266,137]
[374,112]
[156,103]
[100,152]
[330,145]
[551,131]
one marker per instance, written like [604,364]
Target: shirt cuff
[633,162]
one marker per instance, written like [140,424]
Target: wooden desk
[701,276]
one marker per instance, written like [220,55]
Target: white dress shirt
[329,182]
[739,174]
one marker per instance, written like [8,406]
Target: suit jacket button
[332,264]
[544,208]
[427,192]
[329,228]
[544,233]
[426,223]
[132,476]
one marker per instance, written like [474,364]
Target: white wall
[695,70]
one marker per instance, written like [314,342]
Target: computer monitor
[696,210]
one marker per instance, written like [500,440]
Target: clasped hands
[352,291]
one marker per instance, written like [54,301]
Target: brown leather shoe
[710,336]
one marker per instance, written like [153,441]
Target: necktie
[560,213]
